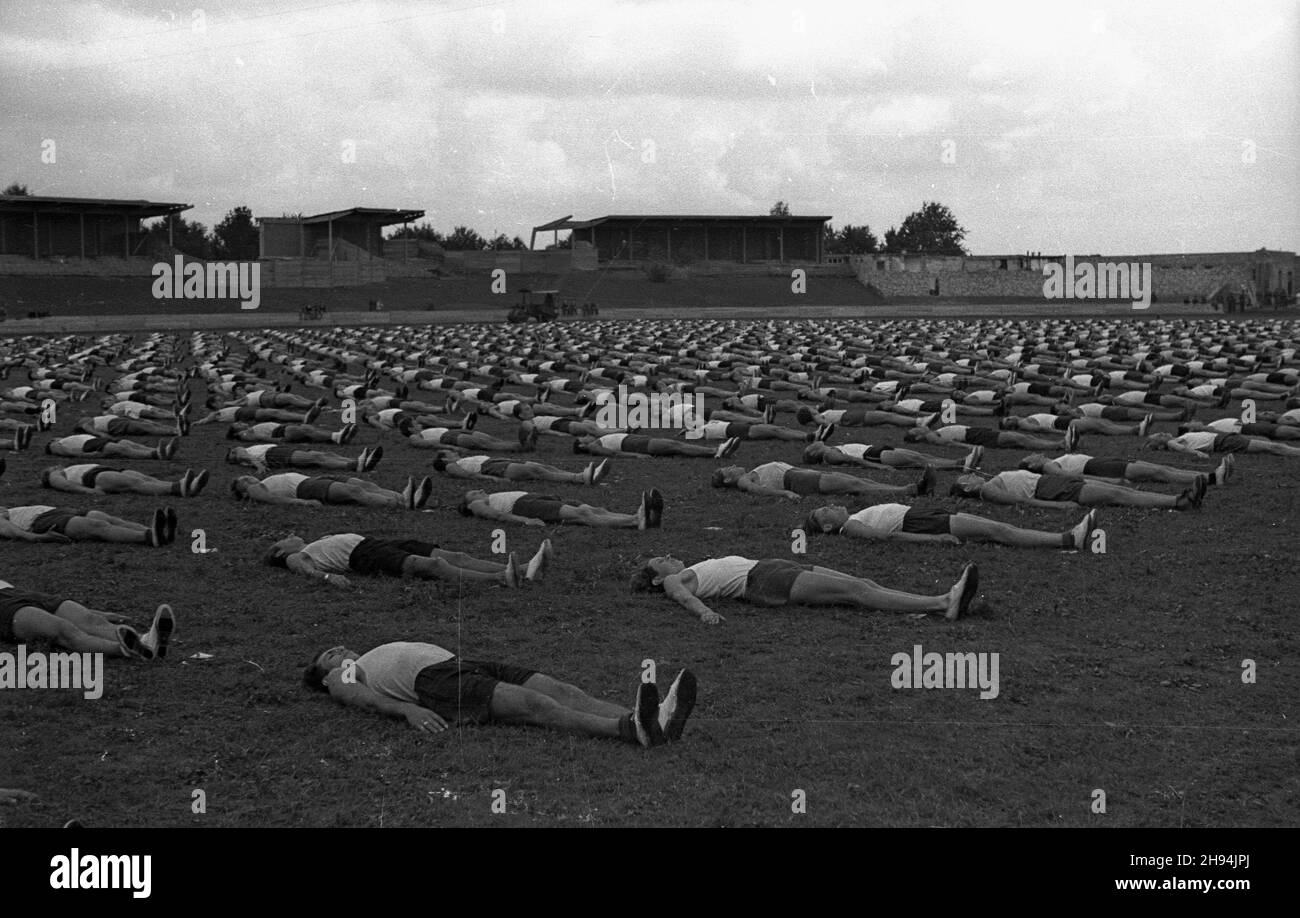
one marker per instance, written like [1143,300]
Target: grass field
[1119,671]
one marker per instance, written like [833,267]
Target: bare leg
[467,562]
[32,624]
[822,586]
[438,569]
[517,704]
[573,697]
[1095,494]
[971,528]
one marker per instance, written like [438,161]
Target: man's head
[914,434]
[313,677]
[1158,441]
[232,455]
[804,415]
[813,452]
[1034,462]
[654,572]
[469,498]
[1011,423]
[726,477]
[967,486]
[278,553]
[827,519]
[239,487]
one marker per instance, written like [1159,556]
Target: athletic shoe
[537,563]
[347,433]
[1225,398]
[728,448]
[589,473]
[184,483]
[167,448]
[128,640]
[1198,490]
[164,623]
[408,494]
[966,587]
[523,436]
[182,410]
[677,705]
[973,459]
[1184,501]
[925,484]
[643,513]
[362,459]
[196,483]
[825,432]
[42,424]
[468,422]
[769,414]
[23,436]
[1230,461]
[655,508]
[645,715]
[170,522]
[1145,424]
[312,414]
[1071,438]
[927,420]
[512,572]
[1081,533]
[183,426]
[423,494]
[600,472]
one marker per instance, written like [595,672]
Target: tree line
[932,230]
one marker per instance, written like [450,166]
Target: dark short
[1040,389]
[55,520]
[1061,422]
[1153,398]
[854,417]
[874,452]
[1114,413]
[539,507]
[13,600]
[927,521]
[1059,487]
[460,691]
[635,443]
[118,427]
[88,478]
[495,467]
[279,457]
[94,445]
[417,547]
[981,436]
[803,481]
[1258,430]
[277,432]
[770,581]
[1106,468]
[315,489]
[378,556]
[1231,443]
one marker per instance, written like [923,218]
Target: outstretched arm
[680,593]
[264,495]
[301,564]
[360,695]
[747,483]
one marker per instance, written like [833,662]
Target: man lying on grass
[901,523]
[779,582]
[43,523]
[532,509]
[431,688]
[293,489]
[1029,489]
[781,479]
[27,616]
[330,557]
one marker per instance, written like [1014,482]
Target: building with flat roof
[42,227]
[323,235]
[683,237]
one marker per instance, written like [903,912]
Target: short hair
[810,524]
[45,478]
[960,490]
[463,507]
[644,580]
[275,556]
[439,464]
[717,479]
[804,414]
[313,677]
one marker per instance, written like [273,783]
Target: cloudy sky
[1120,127]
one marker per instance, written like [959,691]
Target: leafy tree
[779,209]
[850,240]
[236,236]
[503,243]
[191,238]
[421,231]
[17,189]
[464,239]
[932,230]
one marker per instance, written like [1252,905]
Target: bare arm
[860,530]
[747,483]
[264,495]
[301,564]
[360,695]
[677,590]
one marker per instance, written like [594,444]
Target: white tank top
[882,517]
[612,441]
[1197,439]
[721,578]
[715,430]
[331,553]
[259,451]
[390,669]
[953,433]
[285,484]
[1072,463]
[1019,483]
[472,464]
[505,500]
[432,433]
[78,440]
[128,409]
[74,472]
[266,429]
[772,474]
[1225,425]
[1091,409]
[22,516]
[1043,420]
[854,450]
